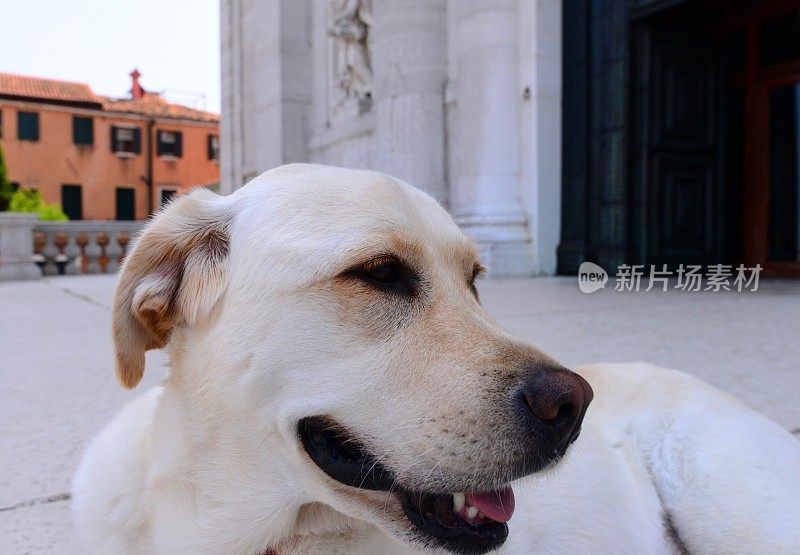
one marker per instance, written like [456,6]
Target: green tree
[28,200]
[5,185]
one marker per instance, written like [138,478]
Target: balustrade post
[39,241]
[102,242]
[82,240]
[123,238]
[61,241]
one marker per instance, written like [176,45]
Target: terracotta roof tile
[46,89]
[152,105]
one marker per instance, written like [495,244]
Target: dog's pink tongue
[497,505]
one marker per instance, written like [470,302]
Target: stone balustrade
[16,242]
[82,247]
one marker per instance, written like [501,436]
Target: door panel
[679,121]
[126,203]
[684,92]
[784,173]
[682,192]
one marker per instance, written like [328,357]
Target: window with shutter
[28,126]
[213,147]
[165,194]
[126,140]
[82,131]
[169,144]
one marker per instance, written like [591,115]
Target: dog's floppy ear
[175,275]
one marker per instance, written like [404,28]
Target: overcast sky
[173,43]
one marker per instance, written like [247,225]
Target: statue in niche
[351,23]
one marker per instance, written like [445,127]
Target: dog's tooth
[458,501]
[472,513]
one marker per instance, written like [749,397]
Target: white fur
[210,461]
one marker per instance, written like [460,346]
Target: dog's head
[327,325]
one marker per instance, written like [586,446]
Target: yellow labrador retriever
[336,387]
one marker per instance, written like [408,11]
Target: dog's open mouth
[461,522]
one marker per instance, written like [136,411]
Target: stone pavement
[57,384]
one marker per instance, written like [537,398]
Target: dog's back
[109,491]
[727,477]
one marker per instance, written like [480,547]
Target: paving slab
[57,384]
[747,344]
[57,388]
[40,528]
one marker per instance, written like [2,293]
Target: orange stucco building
[101,158]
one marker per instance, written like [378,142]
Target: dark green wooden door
[72,201]
[126,203]
[677,154]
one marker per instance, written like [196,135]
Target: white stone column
[540,127]
[487,195]
[231,125]
[266,94]
[409,60]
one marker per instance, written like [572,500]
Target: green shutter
[82,131]
[28,126]
[137,140]
[160,146]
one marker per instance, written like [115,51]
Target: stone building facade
[461,98]
[103,158]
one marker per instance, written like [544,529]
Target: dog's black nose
[557,398]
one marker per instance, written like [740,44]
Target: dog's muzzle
[546,412]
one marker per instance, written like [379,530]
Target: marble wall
[460,98]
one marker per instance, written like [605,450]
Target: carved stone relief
[351,26]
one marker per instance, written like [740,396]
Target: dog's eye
[387,274]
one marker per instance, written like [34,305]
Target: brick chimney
[137,91]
